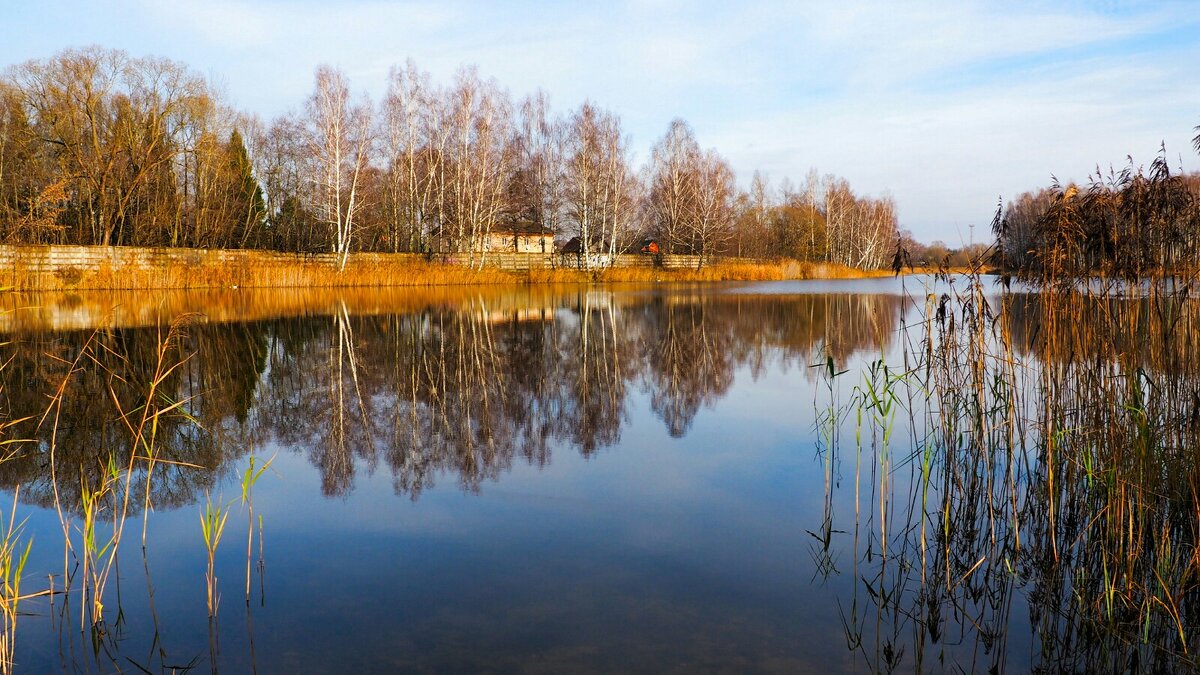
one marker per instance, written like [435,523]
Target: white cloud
[948,156]
[947,105]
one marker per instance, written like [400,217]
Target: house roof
[525,227]
[571,246]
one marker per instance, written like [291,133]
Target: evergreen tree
[250,208]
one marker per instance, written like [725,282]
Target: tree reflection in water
[1040,457]
[461,391]
[458,387]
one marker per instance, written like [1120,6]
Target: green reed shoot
[115,487]
[212,526]
[99,553]
[249,477]
[13,557]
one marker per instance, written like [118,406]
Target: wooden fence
[516,262]
[36,265]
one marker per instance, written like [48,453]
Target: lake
[667,478]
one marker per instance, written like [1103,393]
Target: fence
[61,267]
[520,262]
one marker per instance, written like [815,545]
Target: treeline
[1135,223]
[101,148]
[939,254]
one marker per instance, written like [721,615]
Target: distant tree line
[1133,223]
[101,148]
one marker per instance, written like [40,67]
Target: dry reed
[80,268]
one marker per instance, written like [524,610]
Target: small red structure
[650,247]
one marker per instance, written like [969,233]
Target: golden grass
[271,271]
[48,269]
[740,271]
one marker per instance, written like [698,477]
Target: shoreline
[77,268]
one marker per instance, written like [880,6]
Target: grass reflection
[1049,456]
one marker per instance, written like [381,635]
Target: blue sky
[946,106]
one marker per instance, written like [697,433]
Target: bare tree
[22,176]
[597,179]
[480,160]
[112,124]
[541,149]
[284,165]
[712,225]
[672,181]
[339,140]
[753,216]
[415,134]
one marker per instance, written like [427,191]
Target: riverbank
[67,268]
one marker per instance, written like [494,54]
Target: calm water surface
[547,480]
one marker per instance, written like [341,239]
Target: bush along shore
[59,268]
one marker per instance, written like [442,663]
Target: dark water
[573,480]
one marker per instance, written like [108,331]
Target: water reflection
[1019,491]
[1155,332]
[1024,490]
[461,386]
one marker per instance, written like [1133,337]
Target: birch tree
[597,179]
[672,185]
[541,151]
[339,137]
[712,223]
[479,165]
[415,134]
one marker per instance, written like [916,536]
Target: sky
[947,107]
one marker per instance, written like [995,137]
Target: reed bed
[80,268]
[252,270]
[718,272]
[778,270]
[1055,461]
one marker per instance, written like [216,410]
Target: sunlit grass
[263,269]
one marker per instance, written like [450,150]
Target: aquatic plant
[212,526]
[1054,438]
[13,556]
[1137,224]
[249,478]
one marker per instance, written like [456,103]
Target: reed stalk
[249,478]
[212,526]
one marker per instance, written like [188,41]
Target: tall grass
[80,268]
[14,553]
[107,491]
[250,477]
[14,547]
[1056,461]
[248,269]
